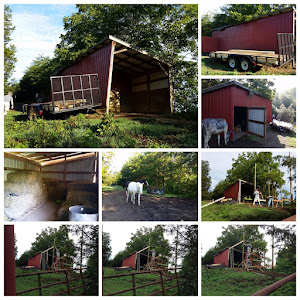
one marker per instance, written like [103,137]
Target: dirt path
[115,208]
[291,218]
[274,139]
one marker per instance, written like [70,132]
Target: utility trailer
[247,59]
[68,93]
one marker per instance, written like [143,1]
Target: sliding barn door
[257,121]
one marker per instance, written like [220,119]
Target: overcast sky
[220,162]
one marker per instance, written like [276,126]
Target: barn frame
[136,260]
[238,189]
[259,33]
[245,110]
[130,80]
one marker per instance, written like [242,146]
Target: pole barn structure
[259,33]
[238,190]
[130,80]
[245,110]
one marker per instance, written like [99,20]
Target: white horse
[134,188]
[214,126]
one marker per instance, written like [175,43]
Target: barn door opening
[240,122]
[257,121]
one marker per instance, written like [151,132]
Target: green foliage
[229,282]
[9,49]
[78,131]
[205,179]
[177,172]
[36,80]
[106,248]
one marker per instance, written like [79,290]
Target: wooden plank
[212,202]
[111,63]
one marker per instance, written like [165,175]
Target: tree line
[167,31]
[176,172]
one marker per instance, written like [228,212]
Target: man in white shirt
[8,103]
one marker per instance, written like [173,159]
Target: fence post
[82,281]
[162,282]
[133,285]
[177,281]
[39,282]
[67,282]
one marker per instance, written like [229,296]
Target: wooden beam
[50,172]
[213,202]
[111,63]
[121,51]
[23,159]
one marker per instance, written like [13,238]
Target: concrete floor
[45,212]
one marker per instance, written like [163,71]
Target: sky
[220,162]
[37,31]
[120,158]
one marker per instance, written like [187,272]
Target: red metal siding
[209,44]
[256,35]
[129,261]
[232,191]
[222,258]
[35,261]
[220,104]
[97,62]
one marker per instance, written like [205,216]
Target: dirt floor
[115,208]
[274,139]
[47,211]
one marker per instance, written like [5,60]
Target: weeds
[78,131]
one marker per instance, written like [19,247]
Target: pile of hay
[83,187]
[23,191]
[55,190]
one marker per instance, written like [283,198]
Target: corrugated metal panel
[97,62]
[209,44]
[129,261]
[256,128]
[256,35]
[222,258]
[35,261]
[256,115]
[17,164]
[232,191]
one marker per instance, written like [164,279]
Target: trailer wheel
[245,64]
[32,114]
[232,62]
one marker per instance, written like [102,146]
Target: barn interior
[235,257]
[240,122]
[43,186]
[140,83]
[246,189]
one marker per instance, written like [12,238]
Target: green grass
[244,212]
[125,282]
[217,67]
[230,282]
[78,131]
[30,282]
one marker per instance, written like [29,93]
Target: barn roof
[277,12]
[126,58]
[48,158]
[232,83]
[243,181]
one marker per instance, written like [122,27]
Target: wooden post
[113,44]
[162,282]
[273,249]
[291,182]
[65,168]
[177,282]
[254,177]
[133,285]
[243,252]
[83,284]
[67,282]
[39,282]
[269,182]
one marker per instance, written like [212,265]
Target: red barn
[222,257]
[35,261]
[257,34]
[130,80]
[230,256]
[244,110]
[136,260]
[238,190]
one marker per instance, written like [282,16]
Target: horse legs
[206,140]
[127,196]
[133,198]
[139,199]
[219,139]
[225,136]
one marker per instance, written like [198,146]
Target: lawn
[245,212]
[80,131]
[30,282]
[217,67]
[230,282]
[112,285]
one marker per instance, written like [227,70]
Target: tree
[205,179]
[106,248]
[108,177]
[15,243]
[167,31]
[36,79]
[9,49]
